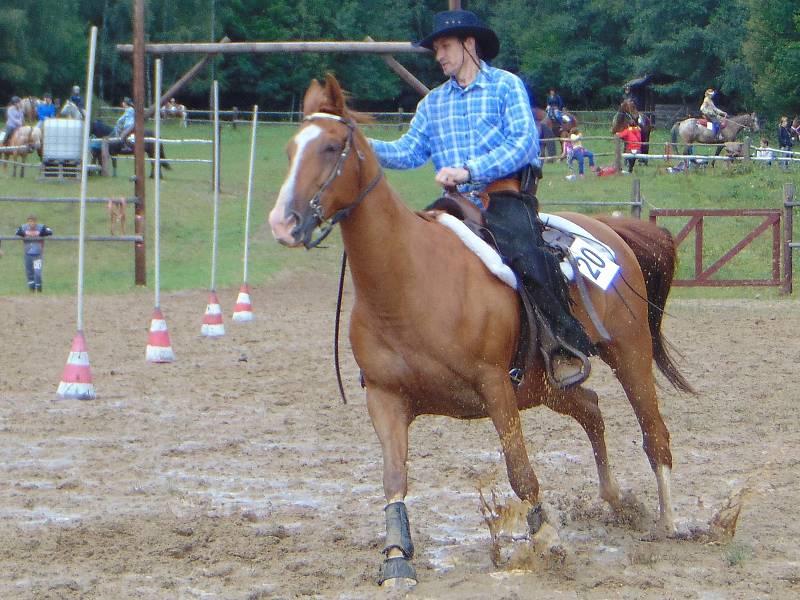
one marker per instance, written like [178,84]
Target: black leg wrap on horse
[398,532]
[396,568]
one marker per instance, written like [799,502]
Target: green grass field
[187,214]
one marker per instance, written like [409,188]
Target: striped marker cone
[212,321]
[159,348]
[243,311]
[76,381]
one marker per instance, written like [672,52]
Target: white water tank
[62,139]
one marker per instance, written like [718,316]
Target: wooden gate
[770,218]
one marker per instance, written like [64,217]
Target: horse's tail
[656,253]
[673,134]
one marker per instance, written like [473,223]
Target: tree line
[749,50]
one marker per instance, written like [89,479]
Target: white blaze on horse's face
[281,219]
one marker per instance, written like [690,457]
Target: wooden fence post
[788,234]
[105,157]
[618,155]
[746,152]
[636,199]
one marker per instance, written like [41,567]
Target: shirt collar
[482,79]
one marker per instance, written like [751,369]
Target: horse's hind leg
[581,404]
[633,367]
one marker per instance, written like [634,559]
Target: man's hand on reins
[452,176]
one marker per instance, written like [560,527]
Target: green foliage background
[747,49]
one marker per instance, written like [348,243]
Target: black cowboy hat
[462,23]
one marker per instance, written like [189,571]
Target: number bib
[594,265]
[37,264]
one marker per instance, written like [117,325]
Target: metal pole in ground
[76,380]
[212,321]
[243,311]
[214,243]
[159,347]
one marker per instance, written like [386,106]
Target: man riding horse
[709,110]
[479,131]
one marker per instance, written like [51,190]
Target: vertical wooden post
[788,235]
[636,199]
[139,252]
[455,4]
[618,155]
[746,151]
[105,157]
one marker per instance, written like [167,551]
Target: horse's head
[70,111]
[326,168]
[755,125]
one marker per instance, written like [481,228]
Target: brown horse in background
[434,332]
[28,107]
[627,114]
[25,139]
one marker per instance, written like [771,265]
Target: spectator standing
[632,136]
[785,141]
[32,232]
[14,119]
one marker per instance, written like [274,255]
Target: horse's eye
[331,148]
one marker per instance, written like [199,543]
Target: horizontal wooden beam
[276,47]
[74,238]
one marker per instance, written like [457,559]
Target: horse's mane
[330,98]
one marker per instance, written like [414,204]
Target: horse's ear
[335,94]
[313,98]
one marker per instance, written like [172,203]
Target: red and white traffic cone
[76,380]
[159,348]
[243,311]
[212,321]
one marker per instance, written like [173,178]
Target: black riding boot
[512,220]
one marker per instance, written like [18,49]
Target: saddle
[535,330]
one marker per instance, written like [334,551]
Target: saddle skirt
[558,232]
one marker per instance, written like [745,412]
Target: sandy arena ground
[236,472]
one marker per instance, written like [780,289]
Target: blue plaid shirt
[487,127]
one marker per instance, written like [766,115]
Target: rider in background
[45,109]
[555,105]
[709,110]
[76,98]
[14,119]
[126,122]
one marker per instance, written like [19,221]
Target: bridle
[316,218]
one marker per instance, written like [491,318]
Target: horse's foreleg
[582,405]
[391,417]
[501,405]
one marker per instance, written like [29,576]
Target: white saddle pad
[556,224]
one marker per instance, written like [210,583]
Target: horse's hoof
[535,519]
[397,572]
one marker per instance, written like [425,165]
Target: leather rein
[317,218]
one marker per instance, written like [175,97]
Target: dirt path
[237,473]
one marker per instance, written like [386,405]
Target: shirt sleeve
[521,144]
[411,150]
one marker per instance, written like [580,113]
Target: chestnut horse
[434,332]
[25,139]
[628,113]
